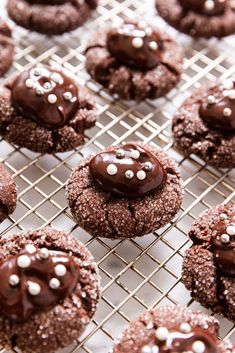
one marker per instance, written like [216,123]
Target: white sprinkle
[30,248]
[231,94]
[33,288]
[209,5]
[148,31]
[142,24]
[231,229]
[112,169]
[60,270]
[57,78]
[14,280]
[198,347]
[37,71]
[223,216]
[225,238]
[52,99]
[141,175]
[228,84]
[47,85]
[129,174]
[54,283]
[40,91]
[148,166]
[155,349]
[135,154]
[68,96]
[162,333]
[153,45]
[146,349]
[137,42]
[211,100]
[227,112]
[29,83]
[23,261]
[120,153]
[44,253]
[150,326]
[185,327]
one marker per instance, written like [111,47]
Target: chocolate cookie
[173,330]
[57,17]
[44,110]
[6,48]
[205,124]
[7,194]
[135,61]
[209,265]
[49,290]
[199,18]
[125,191]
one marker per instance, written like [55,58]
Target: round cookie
[6,48]
[125,191]
[135,60]
[199,18]
[8,195]
[49,290]
[208,268]
[44,110]
[205,124]
[172,329]
[58,17]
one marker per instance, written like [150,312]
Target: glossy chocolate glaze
[119,184]
[142,57]
[213,113]
[224,252]
[15,300]
[178,342]
[33,102]
[204,7]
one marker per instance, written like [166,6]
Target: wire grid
[141,273]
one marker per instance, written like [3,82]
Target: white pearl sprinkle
[54,283]
[37,71]
[153,45]
[47,85]
[198,347]
[44,253]
[211,100]
[142,24]
[146,349]
[225,238]
[23,261]
[30,248]
[148,166]
[162,333]
[68,96]
[137,42]
[14,280]
[155,349]
[120,153]
[209,5]
[231,94]
[52,99]
[60,270]
[231,229]
[227,112]
[141,175]
[40,91]
[223,216]
[29,83]
[185,327]
[135,154]
[129,174]
[228,84]
[57,78]
[112,169]
[148,31]
[33,288]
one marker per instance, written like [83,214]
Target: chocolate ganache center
[35,280]
[128,171]
[135,45]
[223,244]
[205,7]
[184,338]
[218,110]
[46,96]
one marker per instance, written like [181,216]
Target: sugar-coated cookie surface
[49,290]
[125,191]
[8,193]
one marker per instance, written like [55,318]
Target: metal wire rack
[141,273]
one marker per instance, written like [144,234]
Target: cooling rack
[141,273]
